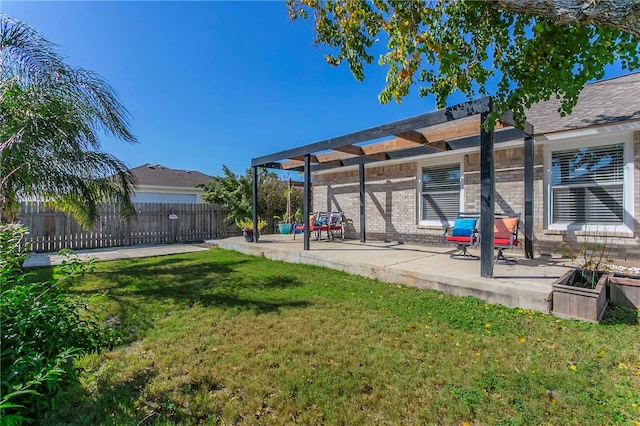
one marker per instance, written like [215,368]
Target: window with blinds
[587,185]
[441,192]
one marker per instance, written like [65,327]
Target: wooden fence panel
[53,230]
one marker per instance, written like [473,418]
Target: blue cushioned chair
[463,233]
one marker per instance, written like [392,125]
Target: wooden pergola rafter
[413,137]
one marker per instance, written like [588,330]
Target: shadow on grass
[620,315]
[109,399]
[145,290]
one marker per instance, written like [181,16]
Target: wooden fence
[53,230]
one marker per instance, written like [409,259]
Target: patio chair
[505,234]
[336,220]
[323,222]
[463,233]
[319,222]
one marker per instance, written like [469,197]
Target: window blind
[441,192]
[588,185]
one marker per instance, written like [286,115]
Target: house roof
[159,175]
[602,102]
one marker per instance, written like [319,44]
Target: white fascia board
[591,131]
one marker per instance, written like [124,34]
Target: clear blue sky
[210,83]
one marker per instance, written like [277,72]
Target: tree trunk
[623,15]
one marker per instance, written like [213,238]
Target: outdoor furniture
[505,234]
[336,220]
[298,228]
[320,222]
[463,233]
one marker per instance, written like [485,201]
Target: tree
[534,49]
[234,193]
[51,116]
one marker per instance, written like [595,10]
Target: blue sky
[210,83]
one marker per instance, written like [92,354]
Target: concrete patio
[525,284]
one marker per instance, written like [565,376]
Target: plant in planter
[581,293]
[246,225]
[284,223]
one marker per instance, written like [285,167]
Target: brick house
[586,178]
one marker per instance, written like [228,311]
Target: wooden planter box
[625,291]
[579,303]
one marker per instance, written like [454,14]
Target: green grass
[218,337]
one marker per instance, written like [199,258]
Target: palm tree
[51,116]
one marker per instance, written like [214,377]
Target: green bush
[44,330]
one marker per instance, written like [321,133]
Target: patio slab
[526,284]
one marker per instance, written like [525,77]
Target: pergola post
[254,201]
[528,196]
[363,215]
[487,197]
[306,201]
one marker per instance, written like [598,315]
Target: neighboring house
[160,184]
[586,178]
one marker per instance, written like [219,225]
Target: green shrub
[11,256]
[44,330]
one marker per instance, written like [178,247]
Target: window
[587,185]
[440,192]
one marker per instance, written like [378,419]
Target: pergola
[413,137]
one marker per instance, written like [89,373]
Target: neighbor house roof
[159,175]
[599,103]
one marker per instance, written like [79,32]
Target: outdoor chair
[323,222]
[463,233]
[336,220]
[298,228]
[505,234]
[318,223]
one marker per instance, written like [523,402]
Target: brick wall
[391,202]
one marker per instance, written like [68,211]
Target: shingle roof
[602,102]
[159,175]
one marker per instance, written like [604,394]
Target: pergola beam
[350,149]
[508,119]
[301,158]
[453,132]
[440,116]
[412,136]
[390,145]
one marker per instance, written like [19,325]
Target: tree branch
[623,15]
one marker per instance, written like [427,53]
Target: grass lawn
[218,337]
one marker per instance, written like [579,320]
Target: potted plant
[284,223]
[581,293]
[246,225]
